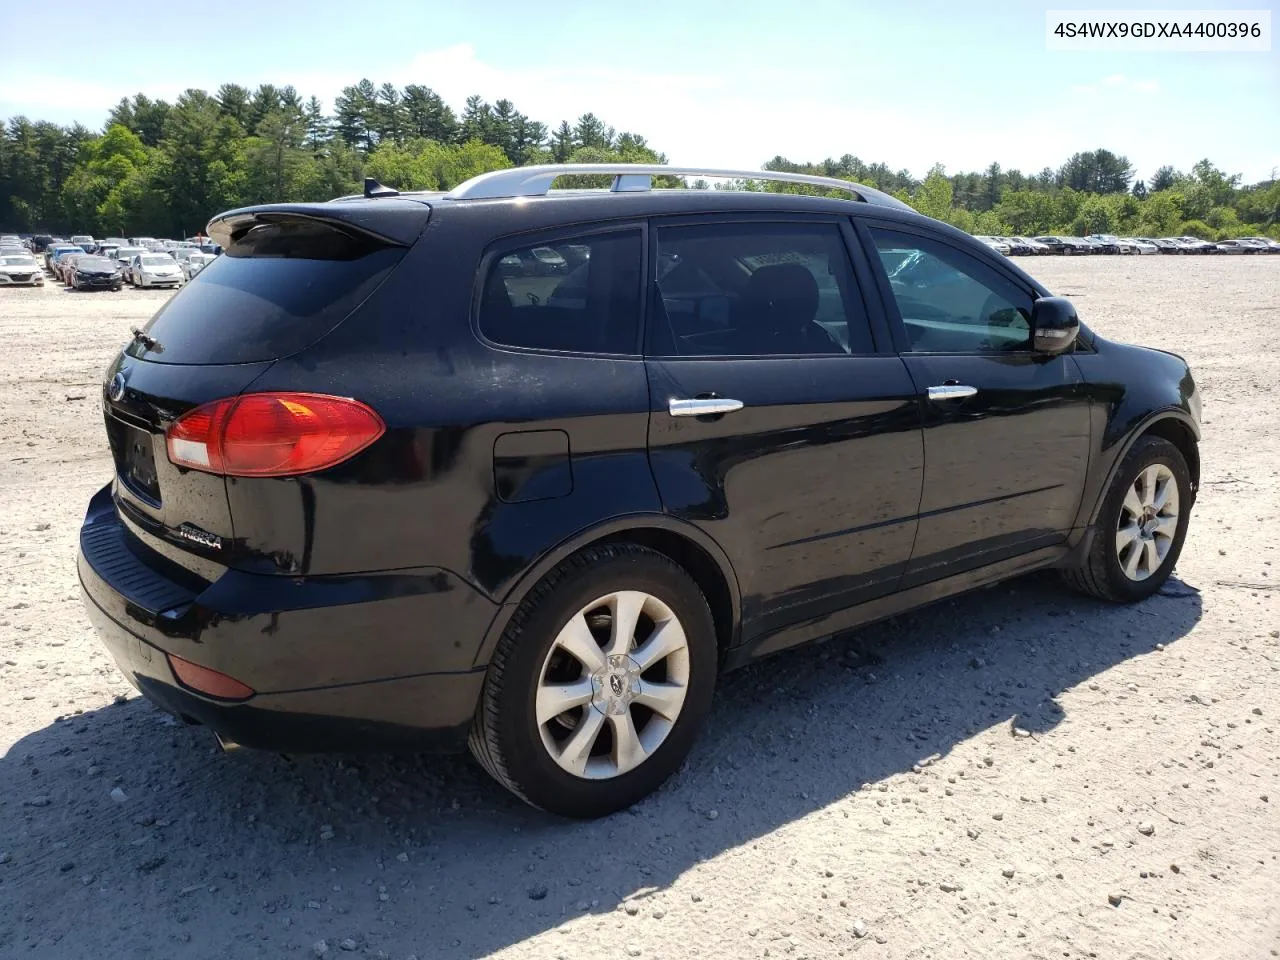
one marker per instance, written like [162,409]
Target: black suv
[530,468]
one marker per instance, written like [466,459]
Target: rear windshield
[273,292]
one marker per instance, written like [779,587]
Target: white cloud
[694,118]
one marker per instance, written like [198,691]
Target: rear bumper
[367,662]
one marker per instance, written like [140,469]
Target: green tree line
[1093,192]
[163,169]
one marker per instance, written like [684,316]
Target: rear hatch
[290,275]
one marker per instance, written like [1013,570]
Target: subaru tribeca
[526,469]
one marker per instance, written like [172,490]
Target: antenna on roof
[373,189]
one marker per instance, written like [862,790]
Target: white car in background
[20,269]
[995,243]
[155,270]
[1142,244]
[191,262]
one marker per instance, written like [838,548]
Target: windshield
[95,263]
[128,252]
[157,261]
[19,261]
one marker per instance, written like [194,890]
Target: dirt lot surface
[1136,819]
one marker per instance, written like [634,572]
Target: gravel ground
[1016,773]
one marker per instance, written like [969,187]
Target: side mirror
[1054,325]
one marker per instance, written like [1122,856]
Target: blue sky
[716,84]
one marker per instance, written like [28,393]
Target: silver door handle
[702,406]
[951,391]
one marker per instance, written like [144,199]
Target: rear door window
[575,294]
[756,289]
[273,292]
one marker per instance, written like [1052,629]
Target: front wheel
[600,683]
[1141,526]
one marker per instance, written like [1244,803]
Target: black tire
[1101,575]
[505,735]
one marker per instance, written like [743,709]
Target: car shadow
[426,855]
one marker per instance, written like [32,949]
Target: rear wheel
[600,683]
[1141,527]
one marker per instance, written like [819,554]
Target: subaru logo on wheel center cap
[115,389]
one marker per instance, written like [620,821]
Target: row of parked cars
[88,264]
[1109,243]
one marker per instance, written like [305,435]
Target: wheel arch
[697,553]
[1174,425]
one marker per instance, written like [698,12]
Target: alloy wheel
[1148,522]
[612,685]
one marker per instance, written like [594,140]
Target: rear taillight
[272,434]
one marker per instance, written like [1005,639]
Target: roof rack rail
[638,178]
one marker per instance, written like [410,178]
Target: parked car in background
[1142,245]
[40,241]
[1054,245]
[1257,244]
[124,257]
[155,270]
[1235,246]
[113,242]
[107,250]
[66,264]
[1017,247]
[1103,243]
[92,272]
[54,252]
[1037,248]
[141,241]
[12,249]
[545,530]
[1196,245]
[1269,245]
[84,242]
[995,243]
[20,269]
[191,262]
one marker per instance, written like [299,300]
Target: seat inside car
[777,309]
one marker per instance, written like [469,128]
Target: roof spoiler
[394,221]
